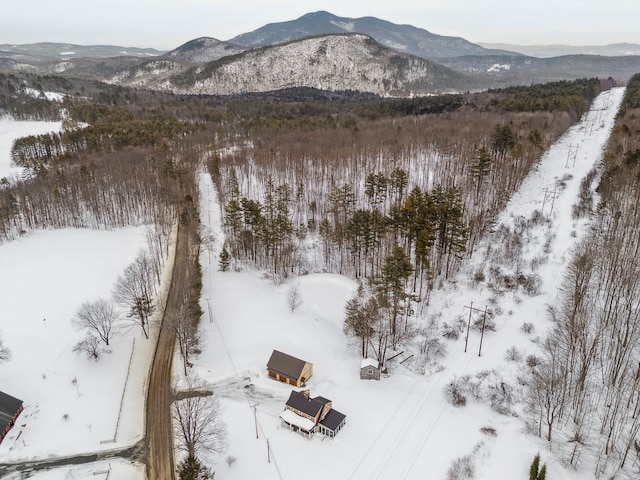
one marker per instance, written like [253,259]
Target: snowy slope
[401,427]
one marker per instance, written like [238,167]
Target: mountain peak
[404,38]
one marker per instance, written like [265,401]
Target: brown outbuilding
[288,369]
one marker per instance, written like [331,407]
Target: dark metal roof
[322,400]
[300,402]
[333,419]
[286,365]
[9,406]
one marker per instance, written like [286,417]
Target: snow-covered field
[72,404]
[398,428]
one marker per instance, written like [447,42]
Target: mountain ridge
[404,38]
[330,62]
[556,50]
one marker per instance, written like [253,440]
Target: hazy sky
[166,24]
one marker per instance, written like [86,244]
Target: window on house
[370,371]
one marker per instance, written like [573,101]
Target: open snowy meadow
[72,404]
[400,427]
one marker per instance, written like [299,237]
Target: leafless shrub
[489,431]
[537,261]
[5,353]
[530,283]
[536,218]
[532,361]
[484,322]
[478,276]
[450,332]
[528,328]
[461,469]
[455,391]
[501,397]
[294,300]
[89,345]
[433,348]
[513,355]
[230,460]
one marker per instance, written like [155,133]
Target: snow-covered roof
[368,362]
[294,419]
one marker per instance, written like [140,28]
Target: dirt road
[159,441]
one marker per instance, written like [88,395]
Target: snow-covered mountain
[334,62]
[404,38]
[205,49]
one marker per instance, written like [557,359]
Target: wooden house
[307,415]
[369,369]
[288,369]
[10,408]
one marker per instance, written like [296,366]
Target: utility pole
[471,310]
[209,308]
[255,418]
[484,322]
[268,452]
[466,339]
[571,154]
[552,195]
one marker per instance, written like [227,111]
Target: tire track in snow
[402,428]
[399,455]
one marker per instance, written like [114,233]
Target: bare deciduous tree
[134,289]
[186,332]
[98,317]
[199,426]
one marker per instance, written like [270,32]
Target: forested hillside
[425,175]
[588,385]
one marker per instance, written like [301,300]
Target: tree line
[585,392]
[363,197]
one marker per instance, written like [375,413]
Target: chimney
[305,393]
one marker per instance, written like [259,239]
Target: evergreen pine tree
[192,469]
[533,470]
[543,472]
[225,259]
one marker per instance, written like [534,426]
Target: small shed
[10,408]
[288,369]
[369,369]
